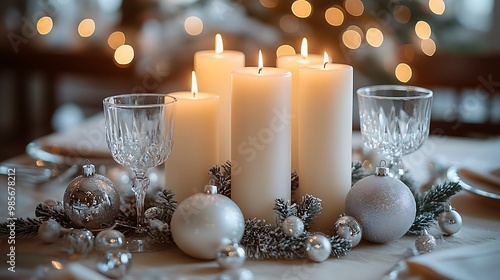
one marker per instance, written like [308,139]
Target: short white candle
[292,63]
[214,76]
[325,132]
[195,142]
[261,143]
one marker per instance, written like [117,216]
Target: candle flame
[261,63]
[303,49]
[194,84]
[326,59]
[219,46]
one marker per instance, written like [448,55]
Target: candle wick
[324,64]
[260,70]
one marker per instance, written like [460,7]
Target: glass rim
[108,100]
[423,92]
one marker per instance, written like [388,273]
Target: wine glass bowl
[139,134]
[394,121]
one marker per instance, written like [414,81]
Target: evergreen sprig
[23,227]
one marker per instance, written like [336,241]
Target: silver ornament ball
[293,226]
[49,231]
[450,221]
[425,243]
[205,221]
[79,241]
[318,248]
[348,227]
[231,256]
[109,239]
[384,206]
[114,263]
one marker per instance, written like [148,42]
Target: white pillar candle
[214,76]
[195,142]
[292,63]
[325,131]
[261,143]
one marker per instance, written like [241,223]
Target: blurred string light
[116,39]
[428,47]
[44,25]
[86,27]
[193,25]
[334,16]
[402,14]
[403,72]
[423,29]
[269,3]
[301,8]
[285,50]
[289,24]
[124,54]
[354,7]
[374,37]
[352,37]
[437,6]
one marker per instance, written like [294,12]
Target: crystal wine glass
[139,134]
[394,121]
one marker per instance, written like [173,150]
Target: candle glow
[303,49]
[326,59]
[194,84]
[261,63]
[219,46]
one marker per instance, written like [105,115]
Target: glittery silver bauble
[425,243]
[348,227]
[205,221]
[231,256]
[114,263]
[109,239]
[91,200]
[384,206]
[49,231]
[79,241]
[318,248]
[293,226]
[450,222]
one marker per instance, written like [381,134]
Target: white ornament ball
[293,226]
[49,231]
[384,206]
[203,222]
[109,239]
[231,256]
[348,227]
[318,248]
[450,221]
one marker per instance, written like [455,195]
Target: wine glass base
[143,243]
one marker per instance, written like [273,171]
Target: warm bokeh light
[86,27]
[219,45]
[408,52]
[124,54]
[285,50]
[193,25]
[403,72]
[116,39]
[354,7]
[301,8]
[44,25]
[194,84]
[304,52]
[374,37]
[289,24]
[423,29]
[437,6]
[402,14]
[351,39]
[428,47]
[334,16]
[269,3]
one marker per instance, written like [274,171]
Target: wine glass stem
[140,185]
[396,166]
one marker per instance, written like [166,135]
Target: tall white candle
[261,143]
[292,63]
[195,142]
[214,76]
[325,131]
